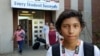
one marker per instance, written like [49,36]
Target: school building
[32,15]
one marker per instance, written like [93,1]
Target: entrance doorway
[37,28]
[27,26]
[32,22]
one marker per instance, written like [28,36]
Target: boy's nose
[71,30]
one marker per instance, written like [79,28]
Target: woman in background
[52,36]
[19,35]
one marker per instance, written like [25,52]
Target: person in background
[19,35]
[45,30]
[52,36]
[70,25]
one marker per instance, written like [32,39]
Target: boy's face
[70,29]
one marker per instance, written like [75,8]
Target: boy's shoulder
[88,49]
[56,50]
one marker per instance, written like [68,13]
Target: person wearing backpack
[70,25]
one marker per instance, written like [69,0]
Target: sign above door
[36,4]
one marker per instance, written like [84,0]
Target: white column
[88,20]
[6,27]
[74,4]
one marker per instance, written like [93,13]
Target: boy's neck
[70,45]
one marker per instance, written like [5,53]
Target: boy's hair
[67,14]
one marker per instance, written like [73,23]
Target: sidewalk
[29,52]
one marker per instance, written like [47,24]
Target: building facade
[14,12]
[34,16]
[95,20]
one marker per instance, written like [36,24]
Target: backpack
[88,49]
[36,46]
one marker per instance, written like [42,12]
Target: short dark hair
[67,14]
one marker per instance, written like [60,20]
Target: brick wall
[96,19]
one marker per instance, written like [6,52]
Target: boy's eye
[75,26]
[65,26]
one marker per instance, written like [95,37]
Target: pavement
[28,52]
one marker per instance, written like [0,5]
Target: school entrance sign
[32,4]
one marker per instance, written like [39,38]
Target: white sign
[31,4]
